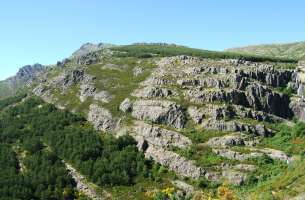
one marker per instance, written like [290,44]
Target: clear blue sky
[46,31]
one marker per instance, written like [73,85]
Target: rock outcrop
[102,118]
[160,112]
[126,105]
[158,136]
[227,140]
[174,162]
[152,92]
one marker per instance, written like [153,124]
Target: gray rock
[245,167]
[151,92]
[102,118]
[103,96]
[160,112]
[276,154]
[262,98]
[196,114]
[297,106]
[160,137]
[174,162]
[86,90]
[137,71]
[234,177]
[227,140]
[227,153]
[126,105]
[88,59]
[235,126]
[71,77]
[188,189]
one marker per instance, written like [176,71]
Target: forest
[35,139]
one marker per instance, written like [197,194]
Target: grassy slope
[291,50]
[170,50]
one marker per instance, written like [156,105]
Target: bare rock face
[228,140]
[196,114]
[126,105]
[88,59]
[261,98]
[227,153]
[71,77]
[160,137]
[43,92]
[151,92]
[86,90]
[156,81]
[102,118]
[235,126]
[297,106]
[160,112]
[174,162]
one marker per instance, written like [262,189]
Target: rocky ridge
[235,97]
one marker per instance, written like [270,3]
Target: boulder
[126,105]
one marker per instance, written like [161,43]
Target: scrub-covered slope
[291,50]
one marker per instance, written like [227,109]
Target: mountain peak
[90,47]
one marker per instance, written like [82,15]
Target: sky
[36,31]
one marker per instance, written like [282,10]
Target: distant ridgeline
[25,77]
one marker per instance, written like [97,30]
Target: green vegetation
[47,135]
[5,91]
[290,50]
[11,100]
[288,139]
[150,50]
[202,155]
[119,80]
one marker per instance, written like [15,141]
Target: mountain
[90,47]
[25,76]
[291,50]
[156,121]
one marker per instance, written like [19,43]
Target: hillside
[291,50]
[156,121]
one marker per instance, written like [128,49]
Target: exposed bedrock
[160,112]
[158,136]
